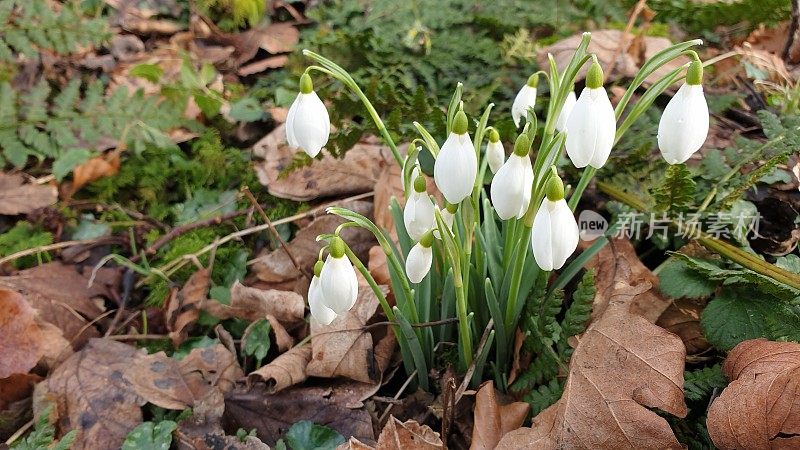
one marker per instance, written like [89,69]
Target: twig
[44,248]
[138,337]
[397,396]
[127,286]
[254,202]
[471,369]
[19,432]
[99,207]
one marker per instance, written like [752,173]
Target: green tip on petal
[694,75]
[522,145]
[494,136]
[451,207]
[427,239]
[337,247]
[533,80]
[554,189]
[460,123]
[419,184]
[594,78]
[306,85]
[318,268]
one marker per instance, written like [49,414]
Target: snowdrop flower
[591,125]
[456,165]
[316,302]
[526,98]
[448,216]
[683,127]
[569,103]
[513,181]
[337,279]
[418,215]
[495,153]
[555,233]
[419,260]
[307,124]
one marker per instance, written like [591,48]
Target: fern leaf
[677,190]
[544,396]
[698,384]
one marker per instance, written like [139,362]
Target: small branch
[44,248]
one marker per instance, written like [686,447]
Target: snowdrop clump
[500,223]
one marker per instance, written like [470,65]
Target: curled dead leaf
[345,347]
[622,367]
[683,318]
[183,306]
[398,435]
[24,337]
[94,169]
[18,197]
[286,370]
[356,173]
[760,408]
[493,419]
[252,304]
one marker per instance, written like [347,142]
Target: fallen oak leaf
[183,306]
[622,366]
[18,197]
[24,337]
[759,409]
[493,419]
[286,370]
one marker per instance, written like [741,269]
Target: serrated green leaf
[149,436]
[676,280]
[676,192]
[247,109]
[699,384]
[739,314]
[64,164]
[544,396]
[208,104]
[257,342]
[150,72]
[305,435]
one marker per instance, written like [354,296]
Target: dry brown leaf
[94,169]
[277,268]
[62,297]
[493,419]
[24,337]
[337,406]
[282,337]
[18,197]
[606,45]
[760,408]
[345,348]
[356,173]
[378,266]
[622,366]
[398,435]
[273,62]
[278,37]
[252,304]
[618,260]
[183,306]
[388,185]
[683,318]
[286,370]
[90,394]
[765,61]
[15,402]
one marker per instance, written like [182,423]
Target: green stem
[586,178]
[372,284]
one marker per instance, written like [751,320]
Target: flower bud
[555,234]
[338,283]
[526,98]
[307,124]
[495,153]
[420,258]
[683,127]
[456,165]
[418,214]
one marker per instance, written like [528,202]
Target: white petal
[456,168]
[508,187]
[309,127]
[319,311]
[683,127]
[526,98]
[495,155]
[447,218]
[527,186]
[555,234]
[418,215]
[591,128]
[339,284]
[418,263]
[569,103]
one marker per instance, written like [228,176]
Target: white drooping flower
[420,257]
[683,127]
[307,124]
[418,214]
[456,165]
[316,302]
[448,217]
[526,98]
[591,125]
[337,279]
[513,181]
[554,236]
[495,153]
[569,103]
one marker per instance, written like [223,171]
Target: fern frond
[698,384]
[544,396]
[676,191]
